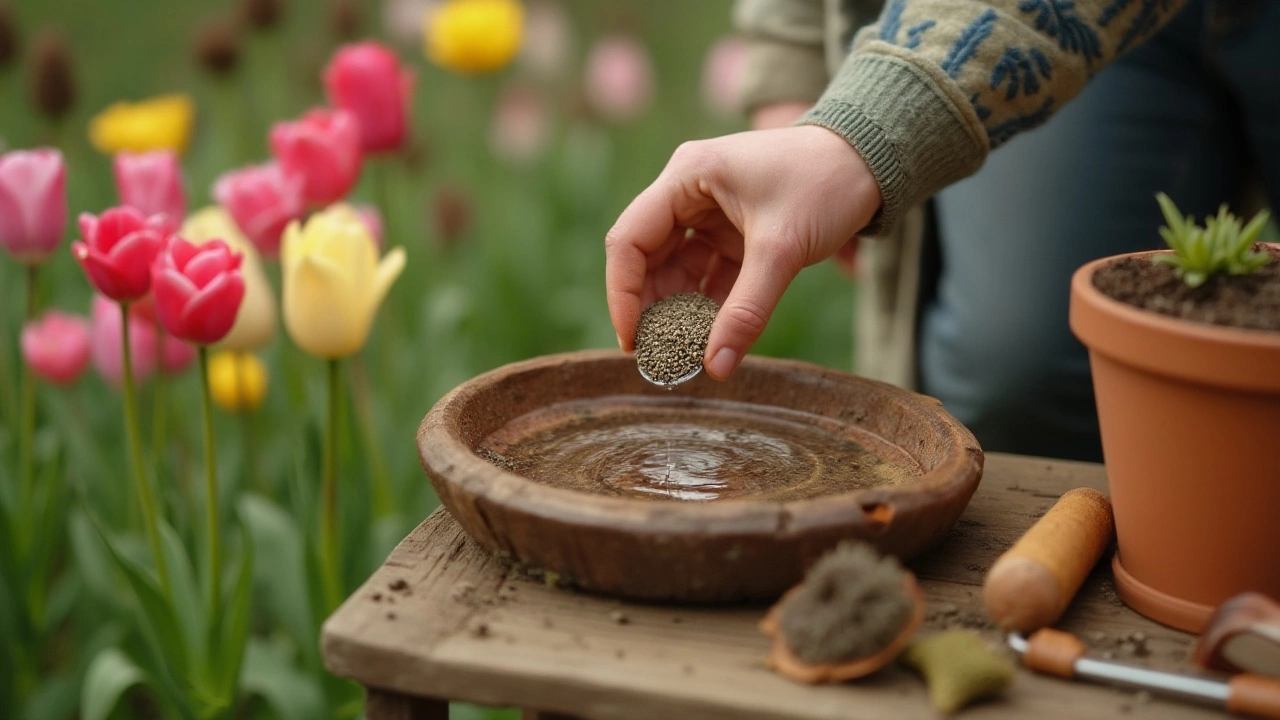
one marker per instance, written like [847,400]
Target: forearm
[931,87]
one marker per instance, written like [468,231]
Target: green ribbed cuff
[782,72]
[907,128]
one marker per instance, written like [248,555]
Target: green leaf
[1194,278]
[1172,216]
[93,561]
[232,629]
[269,674]
[55,698]
[157,619]
[281,568]
[188,602]
[110,674]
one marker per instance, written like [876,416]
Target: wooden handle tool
[1031,585]
[1058,653]
[1242,636]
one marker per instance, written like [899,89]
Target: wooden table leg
[385,705]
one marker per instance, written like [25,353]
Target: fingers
[643,228]
[649,230]
[767,270]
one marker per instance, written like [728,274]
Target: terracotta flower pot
[1190,417]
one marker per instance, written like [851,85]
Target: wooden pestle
[1031,584]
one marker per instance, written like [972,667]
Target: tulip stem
[135,448]
[159,406]
[329,493]
[26,438]
[210,489]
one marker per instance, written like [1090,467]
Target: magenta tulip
[368,81]
[116,250]
[263,200]
[105,347]
[323,148]
[170,355]
[198,289]
[152,183]
[56,346]
[33,203]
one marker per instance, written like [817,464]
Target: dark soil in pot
[1244,301]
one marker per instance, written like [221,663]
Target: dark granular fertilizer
[853,603]
[671,337]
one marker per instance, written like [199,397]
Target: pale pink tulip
[403,20]
[722,74]
[619,78]
[262,199]
[105,346]
[548,39]
[322,147]
[56,346]
[519,131]
[152,183]
[33,203]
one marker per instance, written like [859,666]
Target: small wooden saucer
[782,659]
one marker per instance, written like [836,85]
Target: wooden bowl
[723,551]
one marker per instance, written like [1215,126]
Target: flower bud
[51,83]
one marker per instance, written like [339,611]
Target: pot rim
[1240,358]
[444,451]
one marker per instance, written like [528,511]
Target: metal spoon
[672,383]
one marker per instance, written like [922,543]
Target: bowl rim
[447,458]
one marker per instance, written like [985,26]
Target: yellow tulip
[159,123]
[256,320]
[237,381]
[473,36]
[333,281]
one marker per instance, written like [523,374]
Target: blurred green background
[523,277]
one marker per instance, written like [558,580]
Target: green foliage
[1220,246]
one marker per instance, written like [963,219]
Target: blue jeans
[1190,113]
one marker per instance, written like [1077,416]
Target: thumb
[766,272]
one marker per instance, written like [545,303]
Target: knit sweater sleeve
[785,60]
[931,87]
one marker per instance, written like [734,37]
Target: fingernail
[722,364]
[619,337]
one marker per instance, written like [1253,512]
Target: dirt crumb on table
[619,617]
[399,585]
[480,630]
[463,592]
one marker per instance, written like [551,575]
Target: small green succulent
[1221,246]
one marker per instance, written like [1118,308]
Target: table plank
[444,618]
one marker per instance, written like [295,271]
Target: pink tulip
[105,347]
[262,199]
[520,129]
[198,289]
[116,250]
[56,346]
[324,149]
[619,78]
[373,220]
[152,183]
[547,39]
[33,203]
[722,74]
[368,81]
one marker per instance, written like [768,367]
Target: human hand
[783,114]
[737,218]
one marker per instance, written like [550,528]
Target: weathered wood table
[444,620]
